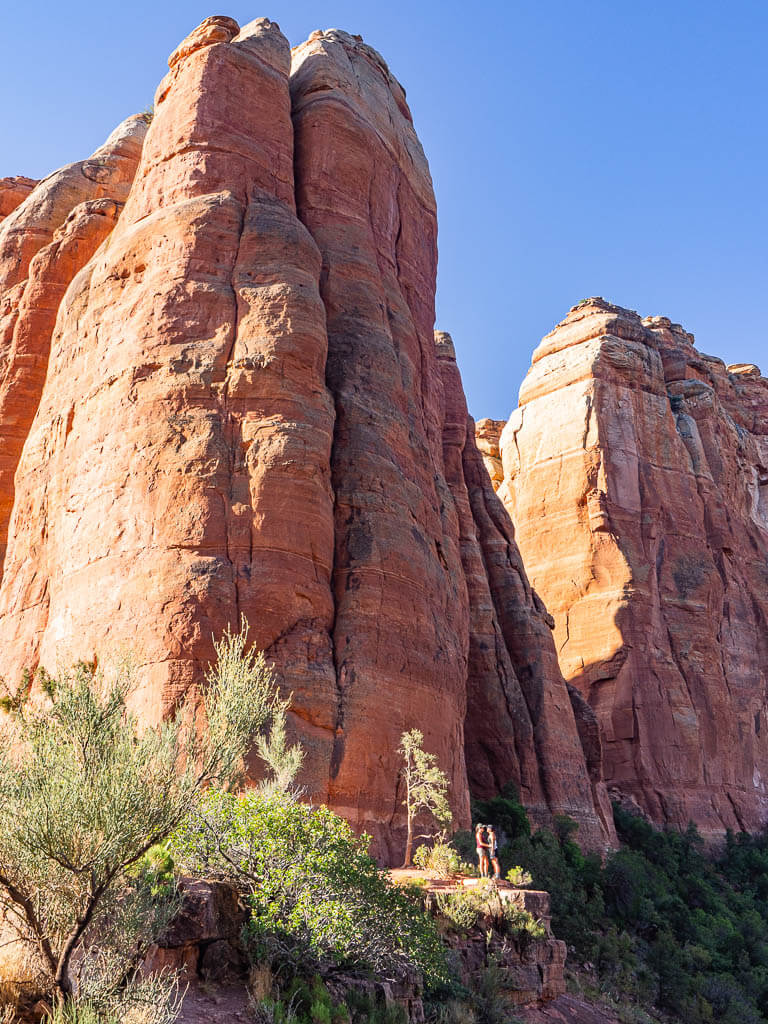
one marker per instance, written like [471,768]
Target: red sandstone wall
[635,473]
[223,399]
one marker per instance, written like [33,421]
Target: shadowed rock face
[520,723]
[636,472]
[243,414]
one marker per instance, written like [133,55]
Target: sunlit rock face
[13,192]
[221,398]
[636,474]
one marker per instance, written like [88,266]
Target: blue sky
[577,148]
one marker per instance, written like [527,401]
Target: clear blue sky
[577,148]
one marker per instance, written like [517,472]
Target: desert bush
[519,877]
[440,859]
[316,897]
[85,794]
[426,788]
[490,997]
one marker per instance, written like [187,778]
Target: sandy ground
[567,1010]
[215,1006]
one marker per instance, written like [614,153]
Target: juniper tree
[85,792]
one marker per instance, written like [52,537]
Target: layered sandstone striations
[180,451]
[243,414]
[636,473]
[487,439]
[43,245]
[520,723]
[401,619]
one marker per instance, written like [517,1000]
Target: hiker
[482,850]
[493,851]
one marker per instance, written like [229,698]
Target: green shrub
[440,859]
[519,877]
[507,814]
[663,923]
[315,894]
[490,997]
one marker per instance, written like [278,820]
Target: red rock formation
[13,192]
[186,401]
[244,414]
[400,631]
[487,437]
[636,472]
[520,724]
[43,244]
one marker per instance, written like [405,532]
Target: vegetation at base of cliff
[85,794]
[661,924]
[317,899]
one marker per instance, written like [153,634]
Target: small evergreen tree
[426,787]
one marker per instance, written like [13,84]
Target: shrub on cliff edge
[317,899]
[85,793]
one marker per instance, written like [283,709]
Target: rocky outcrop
[636,473]
[531,971]
[400,629]
[520,724]
[236,409]
[13,192]
[43,245]
[487,438]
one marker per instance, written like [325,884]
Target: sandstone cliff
[520,723]
[636,473]
[244,414]
[488,438]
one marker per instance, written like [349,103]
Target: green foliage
[464,908]
[155,871]
[85,794]
[316,895]
[440,859]
[663,923]
[505,812]
[305,1001]
[490,997]
[463,842]
[519,877]
[284,762]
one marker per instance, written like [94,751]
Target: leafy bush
[519,877]
[664,923]
[440,859]
[464,908]
[85,793]
[507,814]
[315,894]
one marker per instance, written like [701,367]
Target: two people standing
[487,850]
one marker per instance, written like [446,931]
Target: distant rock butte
[487,438]
[221,396]
[636,474]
